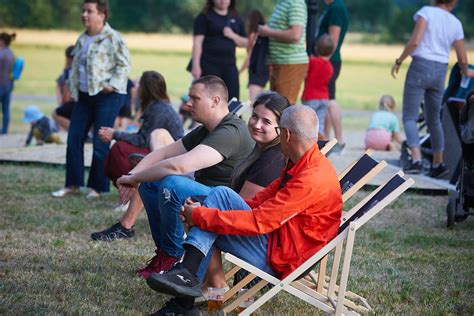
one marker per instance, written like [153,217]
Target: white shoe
[119,207]
[92,194]
[66,191]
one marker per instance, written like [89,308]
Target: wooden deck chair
[352,179]
[333,300]
[326,145]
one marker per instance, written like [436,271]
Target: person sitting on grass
[384,130]
[42,127]
[316,85]
[212,151]
[160,126]
[276,230]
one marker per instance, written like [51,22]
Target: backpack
[17,68]
[466,120]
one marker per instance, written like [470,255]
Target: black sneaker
[177,281]
[438,172]
[413,168]
[117,231]
[173,308]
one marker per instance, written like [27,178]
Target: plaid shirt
[108,62]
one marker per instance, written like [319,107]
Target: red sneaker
[160,262]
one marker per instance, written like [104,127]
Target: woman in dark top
[217,31]
[259,169]
[161,126]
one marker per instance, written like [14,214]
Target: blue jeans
[321,109]
[424,81]
[99,110]
[163,200]
[252,249]
[5,98]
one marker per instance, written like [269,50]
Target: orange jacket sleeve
[272,213]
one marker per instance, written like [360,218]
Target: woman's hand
[264,30]
[106,134]
[108,89]
[395,69]
[229,33]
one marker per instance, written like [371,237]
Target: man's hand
[186,213]
[106,134]
[127,186]
[264,30]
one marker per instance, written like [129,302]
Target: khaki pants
[287,80]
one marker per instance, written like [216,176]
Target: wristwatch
[398,62]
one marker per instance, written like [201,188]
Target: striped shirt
[288,13]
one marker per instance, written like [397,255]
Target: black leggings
[227,72]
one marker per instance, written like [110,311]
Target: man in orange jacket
[276,231]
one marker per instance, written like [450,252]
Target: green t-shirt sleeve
[297,13]
[224,139]
[336,16]
[193,138]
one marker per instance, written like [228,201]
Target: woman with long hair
[160,126]
[217,30]
[436,30]
[7,60]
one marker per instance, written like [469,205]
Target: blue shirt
[386,120]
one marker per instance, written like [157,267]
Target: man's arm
[335,33]
[294,198]
[162,153]
[200,157]
[291,35]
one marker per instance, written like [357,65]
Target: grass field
[405,261]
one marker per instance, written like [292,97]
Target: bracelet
[398,62]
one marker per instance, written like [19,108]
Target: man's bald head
[301,121]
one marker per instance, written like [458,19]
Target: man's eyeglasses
[278,130]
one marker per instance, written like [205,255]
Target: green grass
[405,261]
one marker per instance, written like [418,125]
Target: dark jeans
[227,72]
[99,110]
[5,98]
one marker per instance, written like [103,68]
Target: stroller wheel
[451,211]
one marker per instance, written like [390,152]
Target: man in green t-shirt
[211,151]
[335,22]
[287,55]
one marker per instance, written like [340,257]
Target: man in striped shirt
[287,49]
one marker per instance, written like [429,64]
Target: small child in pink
[384,129]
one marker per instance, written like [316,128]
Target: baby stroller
[462,114]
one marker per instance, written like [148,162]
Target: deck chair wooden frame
[328,146]
[351,179]
[328,301]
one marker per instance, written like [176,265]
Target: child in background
[316,92]
[384,128]
[42,127]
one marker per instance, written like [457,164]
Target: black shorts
[65,110]
[336,65]
[258,79]
[125,111]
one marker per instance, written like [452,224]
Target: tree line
[392,20]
